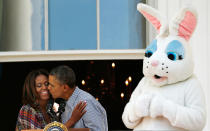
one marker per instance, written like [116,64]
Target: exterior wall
[200,41]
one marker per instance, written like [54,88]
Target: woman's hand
[78,112]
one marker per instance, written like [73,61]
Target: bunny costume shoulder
[169,96]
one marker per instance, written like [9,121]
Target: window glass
[72,24]
[37,25]
[121,25]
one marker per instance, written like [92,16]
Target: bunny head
[168,59]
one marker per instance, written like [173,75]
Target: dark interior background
[12,75]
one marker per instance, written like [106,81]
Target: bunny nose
[155,63]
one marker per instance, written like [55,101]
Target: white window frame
[98,54]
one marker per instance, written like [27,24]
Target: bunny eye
[172,56]
[148,53]
[175,50]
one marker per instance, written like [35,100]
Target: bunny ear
[184,23]
[153,16]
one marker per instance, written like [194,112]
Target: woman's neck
[43,104]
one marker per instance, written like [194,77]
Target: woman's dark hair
[29,89]
[64,75]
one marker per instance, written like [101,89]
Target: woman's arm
[77,113]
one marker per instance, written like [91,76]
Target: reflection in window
[16,25]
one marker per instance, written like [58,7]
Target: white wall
[200,41]
[17,25]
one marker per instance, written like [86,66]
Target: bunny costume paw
[156,107]
[142,105]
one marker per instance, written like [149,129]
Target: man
[62,84]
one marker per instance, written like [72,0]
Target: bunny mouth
[158,78]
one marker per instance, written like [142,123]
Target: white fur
[177,106]
[175,101]
[174,24]
[159,17]
[142,105]
[177,71]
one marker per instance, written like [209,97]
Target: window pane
[121,25]
[72,24]
[37,25]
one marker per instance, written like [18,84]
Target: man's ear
[65,87]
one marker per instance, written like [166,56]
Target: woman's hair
[64,75]
[29,89]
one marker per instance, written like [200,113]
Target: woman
[33,114]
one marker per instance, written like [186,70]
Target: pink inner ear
[187,26]
[155,22]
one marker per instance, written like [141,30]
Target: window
[73,25]
[36,26]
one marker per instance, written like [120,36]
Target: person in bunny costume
[169,96]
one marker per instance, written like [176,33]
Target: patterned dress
[30,118]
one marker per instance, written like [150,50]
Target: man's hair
[30,94]
[64,75]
